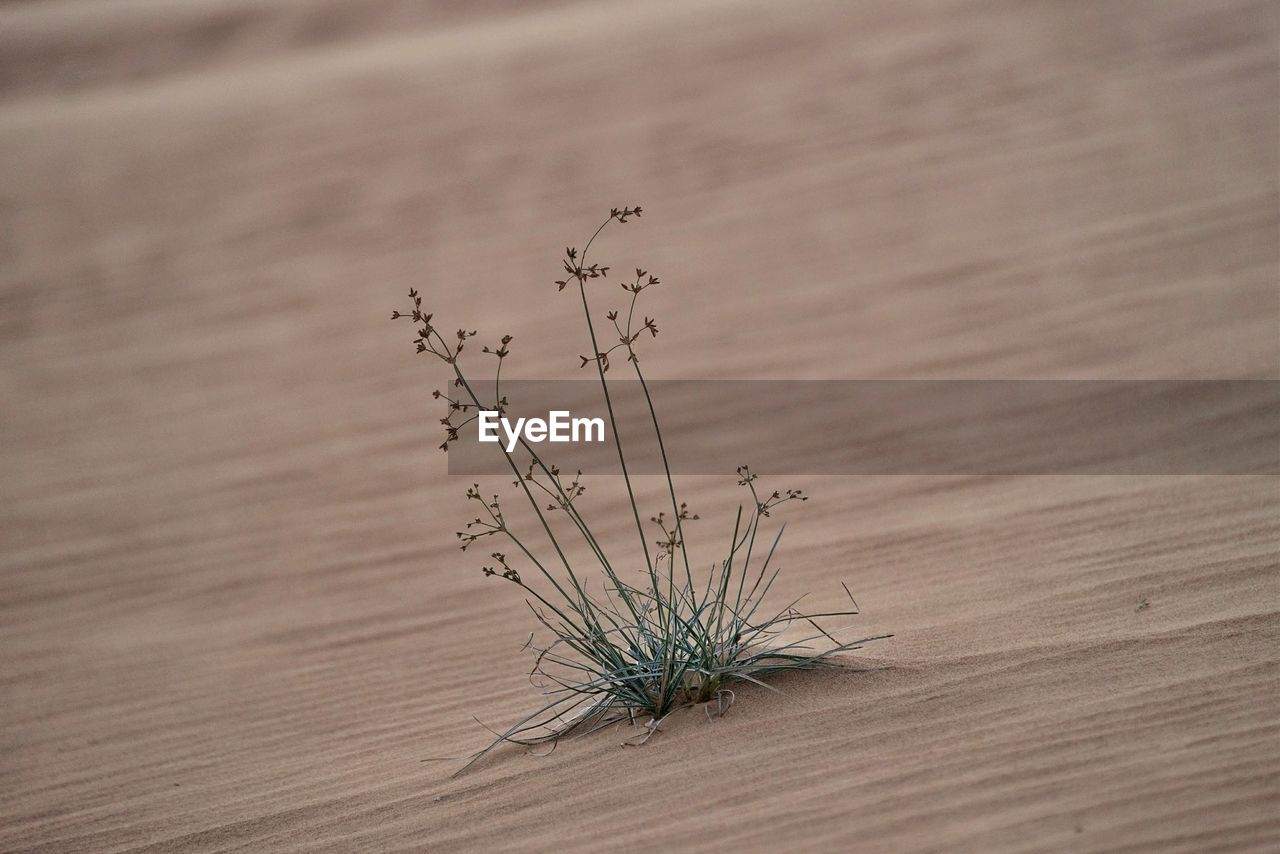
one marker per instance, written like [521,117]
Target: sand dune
[232,617]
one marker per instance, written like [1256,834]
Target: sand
[232,616]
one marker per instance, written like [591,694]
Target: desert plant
[629,651]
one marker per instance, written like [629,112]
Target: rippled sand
[232,617]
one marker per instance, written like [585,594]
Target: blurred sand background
[232,616]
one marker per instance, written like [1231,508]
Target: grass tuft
[630,651]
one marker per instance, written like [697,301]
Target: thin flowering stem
[604,385]
[627,338]
[523,483]
[666,468]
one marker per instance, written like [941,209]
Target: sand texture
[232,613]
